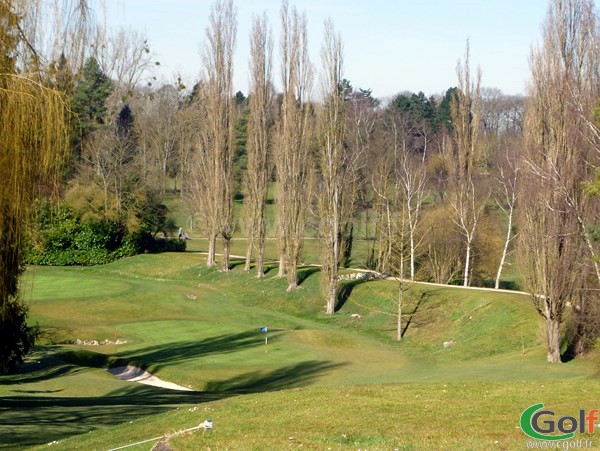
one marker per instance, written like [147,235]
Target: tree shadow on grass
[267,268]
[38,369]
[422,299]
[292,376]
[153,358]
[235,262]
[156,357]
[345,290]
[305,272]
[34,420]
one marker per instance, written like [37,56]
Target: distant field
[364,235]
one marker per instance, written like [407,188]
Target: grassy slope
[199,328]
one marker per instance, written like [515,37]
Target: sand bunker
[134,374]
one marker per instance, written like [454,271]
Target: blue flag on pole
[263,329]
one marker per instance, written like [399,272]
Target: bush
[64,239]
[145,242]
[16,337]
[72,242]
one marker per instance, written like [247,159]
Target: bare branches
[552,240]
[508,180]
[338,173]
[216,147]
[259,124]
[125,57]
[463,157]
[294,172]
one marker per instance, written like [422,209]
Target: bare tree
[99,153]
[160,123]
[552,239]
[337,165]
[259,124]
[111,152]
[462,159]
[213,167]
[125,57]
[292,148]
[410,177]
[361,120]
[382,175]
[199,187]
[442,246]
[508,181]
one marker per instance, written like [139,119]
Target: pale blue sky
[389,45]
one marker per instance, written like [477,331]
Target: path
[396,279]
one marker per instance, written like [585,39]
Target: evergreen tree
[443,116]
[89,101]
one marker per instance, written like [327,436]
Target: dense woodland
[458,186]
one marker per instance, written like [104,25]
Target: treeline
[425,168]
[111,202]
[452,181]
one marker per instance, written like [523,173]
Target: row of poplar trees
[287,138]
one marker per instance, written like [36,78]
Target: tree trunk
[249,253]
[553,336]
[412,255]
[332,292]
[505,250]
[226,252]
[260,262]
[292,277]
[590,247]
[400,301]
[281,272]
[260,251]
[581,316]
[467,265]
[105,198]
[212,241]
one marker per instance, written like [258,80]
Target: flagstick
[266,342]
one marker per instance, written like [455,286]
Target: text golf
[541,424]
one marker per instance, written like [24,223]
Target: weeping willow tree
[33,140]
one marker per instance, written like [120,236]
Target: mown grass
[415,416]
[338,381]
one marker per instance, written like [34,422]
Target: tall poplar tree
[560,151]
[463,157]
[337,174]
[259,124]
[292,155]
[216,148]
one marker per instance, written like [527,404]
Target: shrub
[64,239]
[16,337]
[145,242]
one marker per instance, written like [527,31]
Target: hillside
[200,328]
